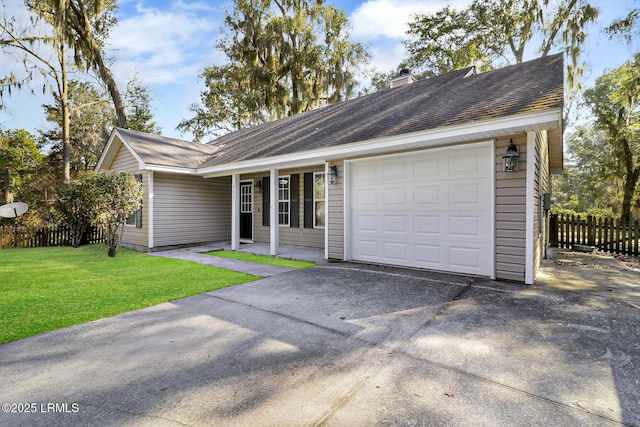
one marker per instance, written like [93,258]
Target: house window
[136,219]
[131,220]
[318,199]
[284,202]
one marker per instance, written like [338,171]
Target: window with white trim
[284,202]
[131,220]
[136,219]
[319,191]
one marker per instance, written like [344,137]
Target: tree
[74,206]
[441,42]
[91,120]
[615,103]
[20,159]
[85,25]
[492,29]
[25,173]
[75,30]
[590,181]
[624,28]
[118,195]
[284,57]
[139,114]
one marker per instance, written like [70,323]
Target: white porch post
[150,211]
[273,213]
[326,210]
[235,212]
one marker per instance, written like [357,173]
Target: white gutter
[171,169]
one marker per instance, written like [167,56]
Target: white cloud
[169,44]
[384,24]
[375,19]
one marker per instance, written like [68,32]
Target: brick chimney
[403,79]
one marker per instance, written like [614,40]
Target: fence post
[636,234]
[553,230]
[599,233]
[617,235]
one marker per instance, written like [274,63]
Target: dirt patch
[597,260]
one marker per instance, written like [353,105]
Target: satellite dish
[13,210]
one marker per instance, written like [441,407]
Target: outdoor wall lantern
[258,186]
[511,158]
[333,174]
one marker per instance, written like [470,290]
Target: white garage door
[429,209]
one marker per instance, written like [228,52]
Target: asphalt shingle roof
[450,99]
[160,150]
[447,100]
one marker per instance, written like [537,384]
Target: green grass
[43,289]
[280,262]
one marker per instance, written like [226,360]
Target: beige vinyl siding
[511,213]
[297,236]
[190,209]
[541,186]
[336,215]
[132,236]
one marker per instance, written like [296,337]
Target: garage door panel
[395,251]
[430,209]
[465,164]
[394,170]
[464,194]
[395,224]
[395,196]
[427,225]
[367,249]
[363,176]
[366,197]
[465,257]
[428,254]
[426,195]
[366,223]
[465,226]
[426,168]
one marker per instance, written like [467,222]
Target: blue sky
[165,44]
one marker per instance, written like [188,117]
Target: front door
[246,210]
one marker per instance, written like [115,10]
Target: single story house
[419,175]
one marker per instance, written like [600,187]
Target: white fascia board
[107,151]
[432,138]
[171,169]
[109,154]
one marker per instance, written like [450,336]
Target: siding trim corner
[530,209]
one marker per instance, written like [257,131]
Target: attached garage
[429,209]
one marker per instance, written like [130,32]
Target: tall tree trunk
[66,124]
[630,181]
[8,197]
[97,60]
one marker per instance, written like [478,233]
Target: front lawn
[280,262]
[43,289]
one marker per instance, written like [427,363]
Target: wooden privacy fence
[607,234]
[53,235]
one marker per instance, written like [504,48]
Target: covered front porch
[282,212]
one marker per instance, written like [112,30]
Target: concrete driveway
[339,345]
